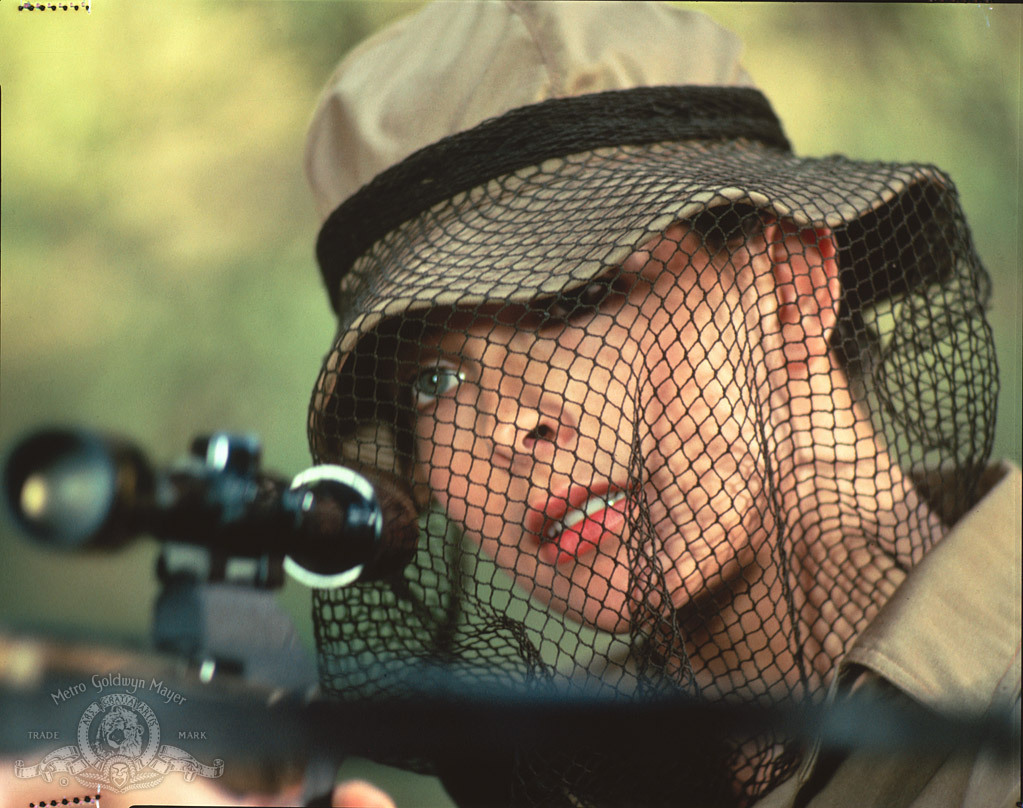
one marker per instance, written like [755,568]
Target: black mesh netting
[680,417]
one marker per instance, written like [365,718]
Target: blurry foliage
[157,244]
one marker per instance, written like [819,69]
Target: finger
[360,794]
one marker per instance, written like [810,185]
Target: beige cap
[456,63]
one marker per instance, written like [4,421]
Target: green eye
[434,381]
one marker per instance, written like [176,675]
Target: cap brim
[552,227]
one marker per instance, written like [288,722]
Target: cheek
[444,460]
[454,464]
[698,437]
[601,363]
[606,392]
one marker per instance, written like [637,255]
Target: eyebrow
[428,353]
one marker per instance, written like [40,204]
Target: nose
[531,426]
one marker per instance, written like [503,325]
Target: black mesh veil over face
[680,416]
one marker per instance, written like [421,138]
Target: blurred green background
[158,277]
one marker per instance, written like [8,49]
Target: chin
[592,590]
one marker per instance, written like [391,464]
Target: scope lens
[60,487]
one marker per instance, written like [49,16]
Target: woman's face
[557,444]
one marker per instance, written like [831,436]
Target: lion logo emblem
[120,733]
[119,748]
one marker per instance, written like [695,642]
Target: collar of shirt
[951,633]
[949,637]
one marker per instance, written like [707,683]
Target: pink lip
[584,536]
